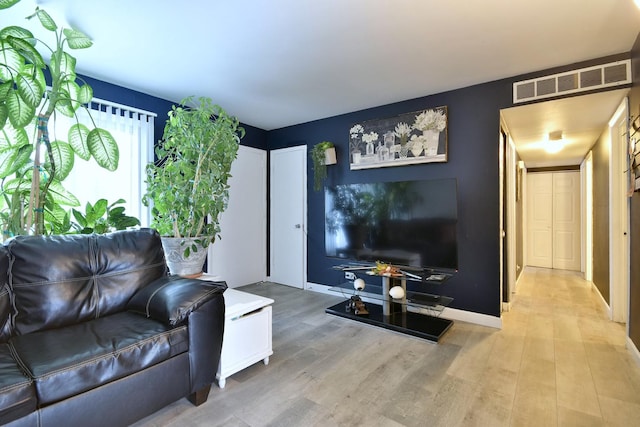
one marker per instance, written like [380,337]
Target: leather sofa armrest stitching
[204,296]
[153,294]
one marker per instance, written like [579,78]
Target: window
[133,130]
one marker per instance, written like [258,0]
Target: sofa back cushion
[63,280]
[5,297]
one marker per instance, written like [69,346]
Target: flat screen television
[405,223]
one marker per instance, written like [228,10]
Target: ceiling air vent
[583,79]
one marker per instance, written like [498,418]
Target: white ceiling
[275,63]
[582,120]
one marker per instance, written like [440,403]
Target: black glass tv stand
[416,314]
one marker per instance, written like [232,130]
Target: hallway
[575,368]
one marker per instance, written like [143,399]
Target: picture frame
[410,138]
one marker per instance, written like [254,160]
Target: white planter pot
[330,156]
[431,140]
[356,157]
[174,254]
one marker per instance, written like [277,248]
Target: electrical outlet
[349,275]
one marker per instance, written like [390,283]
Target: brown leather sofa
[94,332]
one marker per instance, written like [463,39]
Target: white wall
[240,256]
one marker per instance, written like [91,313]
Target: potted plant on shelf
[322,154]
[32,168]
[187,186]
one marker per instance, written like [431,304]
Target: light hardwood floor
[557,361]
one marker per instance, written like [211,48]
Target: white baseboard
[634,350]
[323,289]
[448,313]
[472,317]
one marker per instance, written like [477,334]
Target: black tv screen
[406,223]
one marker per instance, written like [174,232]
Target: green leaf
[63,157]
[5,4]
[37,74]
[77,39]
[62,66]
[46,20]
[5,88]
[14,158]
[61,196]
[18,32]
[63,104]
[11,62]
[57,220]
[30,90]
[4,115]
[9,136]
[71,90]
[80,219]
[20,113]
[85,94]
[67,66]
[99,209]
[78,135]
[104,148]
[26,49]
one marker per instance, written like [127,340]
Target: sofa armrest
[171,299]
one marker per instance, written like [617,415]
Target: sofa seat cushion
[17,392]
[68,361]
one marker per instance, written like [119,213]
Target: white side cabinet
[247,333]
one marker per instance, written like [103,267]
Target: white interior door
[540,220]
[240,256]
[288,172]
[566,221]
[619,270]
[554,220]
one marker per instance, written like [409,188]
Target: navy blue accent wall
[473,159]
[254,137]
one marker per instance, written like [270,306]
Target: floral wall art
[410,138]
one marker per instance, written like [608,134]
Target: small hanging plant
[318,157]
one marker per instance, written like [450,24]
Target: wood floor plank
[558,361]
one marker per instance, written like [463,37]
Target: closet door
[540,220]
[566,220]
[553,216]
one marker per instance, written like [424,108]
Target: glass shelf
[419,302]
[417,313]
[424,275]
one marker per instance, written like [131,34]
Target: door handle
[298,226]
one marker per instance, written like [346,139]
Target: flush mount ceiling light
[555,142]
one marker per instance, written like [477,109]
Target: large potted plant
[187,186]
[32,168]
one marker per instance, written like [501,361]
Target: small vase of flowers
[402,132]
[355,140]
[369,139]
